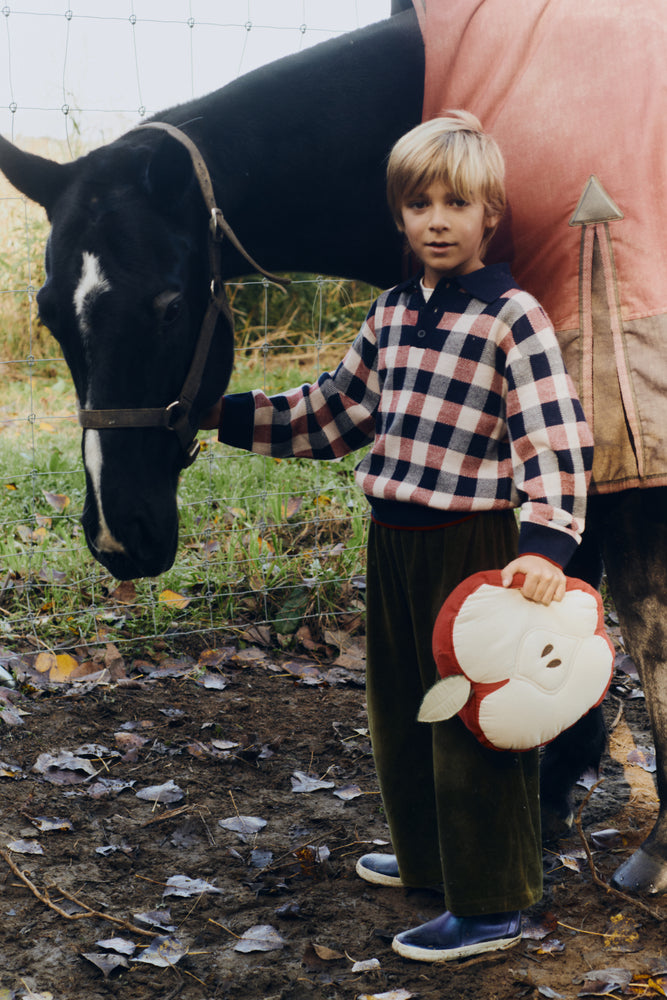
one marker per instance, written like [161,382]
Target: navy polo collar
[487,284]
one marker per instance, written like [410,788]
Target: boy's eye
[459,202]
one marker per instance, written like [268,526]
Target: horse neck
[297,152]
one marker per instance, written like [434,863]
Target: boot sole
[377,878]
[418,954]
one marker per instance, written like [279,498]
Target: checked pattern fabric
[464,400]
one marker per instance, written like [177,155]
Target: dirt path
[233,750]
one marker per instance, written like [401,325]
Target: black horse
[297,154]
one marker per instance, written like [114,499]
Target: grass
[263,542]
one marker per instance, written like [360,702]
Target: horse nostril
[554,663]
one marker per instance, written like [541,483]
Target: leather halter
[176,416]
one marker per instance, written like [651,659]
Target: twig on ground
[169,814]
[591,864]
[43,897]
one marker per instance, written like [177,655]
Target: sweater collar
[487,283]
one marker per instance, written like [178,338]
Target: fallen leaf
[245,826]
[601,982]
[124,593]
[181,885]
[174,600]
[348,792]
[621,935]
[65,769]
[156,918]
[537,928]
[213,658]
[262,937]
[393,995]
[129,741]
[574,860]
[589,778]
[96,750]
[163,952]
[626,665]
[553,947]
[607,838]
[108,849]
[302,782]
[167,793]
[11,716]
[107,964]
[63,667]
[211,682]
[224,744]
[261,859]
[25,847]
[649,984]
[45,825]
[369,965]
[291,507]
[58,501]
[9,771]
[643,758]
[307,671]
[327,954]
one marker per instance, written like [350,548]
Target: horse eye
[169,306]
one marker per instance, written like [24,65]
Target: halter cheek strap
[176,416]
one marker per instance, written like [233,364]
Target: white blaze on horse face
[92,456]
[92,283]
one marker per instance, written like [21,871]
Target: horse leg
[579,749]
[634,550]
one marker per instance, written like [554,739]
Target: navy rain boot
[449,937]
[380,869]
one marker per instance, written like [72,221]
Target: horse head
[127,289]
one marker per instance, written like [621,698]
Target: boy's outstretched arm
[545,581]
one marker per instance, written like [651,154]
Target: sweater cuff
[237,420]
[556,546]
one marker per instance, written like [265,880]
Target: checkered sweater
[465,402]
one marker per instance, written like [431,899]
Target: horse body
[297,154]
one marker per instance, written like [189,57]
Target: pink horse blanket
[575,92]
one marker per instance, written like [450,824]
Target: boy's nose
[439,218]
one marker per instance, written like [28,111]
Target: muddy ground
[229,734]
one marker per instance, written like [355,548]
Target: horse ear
[169,174]
[38,178]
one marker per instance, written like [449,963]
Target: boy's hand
[544,583]
[211,420]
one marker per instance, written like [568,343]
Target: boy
[457,382]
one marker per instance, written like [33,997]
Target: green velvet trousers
[459,814]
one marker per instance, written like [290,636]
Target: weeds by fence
[264,545]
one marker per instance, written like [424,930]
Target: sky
[95,66]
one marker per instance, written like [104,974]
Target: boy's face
[444,232]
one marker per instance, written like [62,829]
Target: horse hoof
[556,823]
[641,873]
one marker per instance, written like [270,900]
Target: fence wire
[266,547]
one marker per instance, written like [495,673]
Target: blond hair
[453,150]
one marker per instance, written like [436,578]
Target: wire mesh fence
[264,545]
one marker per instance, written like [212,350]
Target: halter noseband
[175,416]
